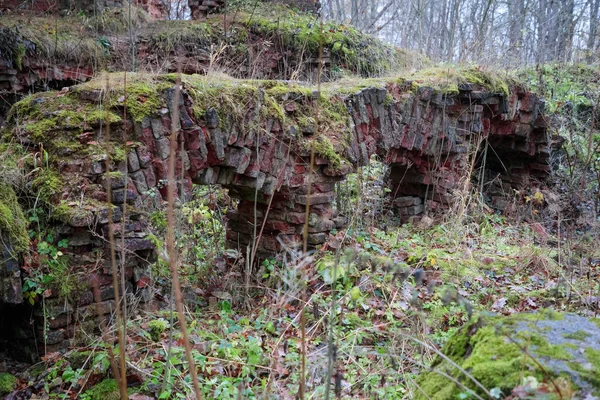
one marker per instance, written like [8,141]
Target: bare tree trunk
[591,41]
[515,30]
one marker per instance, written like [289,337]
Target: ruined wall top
[222,121]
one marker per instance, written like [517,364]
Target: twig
[171,237]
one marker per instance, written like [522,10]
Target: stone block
[295,218]
[144,156]
[139,179]
[80,239]
[317,238]
[238,158]
[218,141]
[119,196]
[137,244]
[412,210]
[133,162]
[321,225]
[212,118]
[163,148]
[150,177]
[157,128]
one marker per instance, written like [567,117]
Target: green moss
[143,100]
[323,147]
[59,39]
[8,383]
[290,91]
[545,314]
[47,184]
[20,52]
[348,48]
[596,321]
[119,153]
[593,356]
[105,390]
[388,99]
[448,79]
[542,347]
[157,327]
[589,371]
[579,335]
[12,219]
[38,129]
[97,116]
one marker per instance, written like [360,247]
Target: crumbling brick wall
[425,136]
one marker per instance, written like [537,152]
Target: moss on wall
[449,79]
[12,219]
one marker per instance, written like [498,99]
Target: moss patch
[324,148]
[449,79]
[12,219]
[349,49]
[579,335]
[105,390]
[8,383]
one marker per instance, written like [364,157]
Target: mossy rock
[8,383]
[537,352]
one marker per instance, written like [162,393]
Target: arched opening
[18,331]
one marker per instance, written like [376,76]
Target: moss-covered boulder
[530,354]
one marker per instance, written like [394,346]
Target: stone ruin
[253,138]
